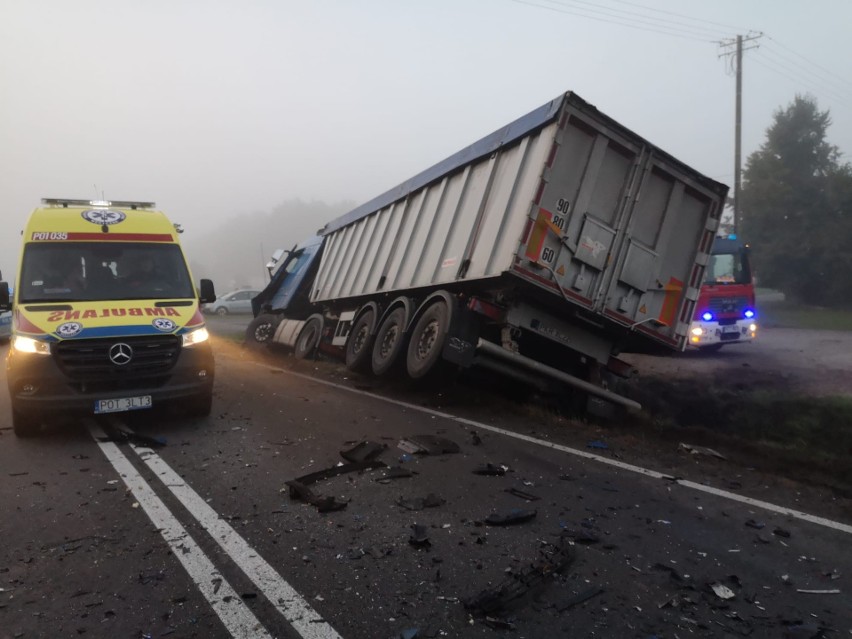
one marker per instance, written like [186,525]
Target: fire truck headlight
[752,328]
[697,331]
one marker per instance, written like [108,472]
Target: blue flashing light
[707,316]
[732,236]
[748,313]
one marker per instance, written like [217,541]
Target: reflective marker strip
[757,503]
[292,606]
[234,614]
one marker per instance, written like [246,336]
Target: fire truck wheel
[710,348]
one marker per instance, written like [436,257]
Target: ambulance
[105,316]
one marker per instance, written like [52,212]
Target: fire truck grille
[723,305]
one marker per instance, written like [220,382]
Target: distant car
[5,326]
[233,302]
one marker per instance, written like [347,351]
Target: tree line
[796,209]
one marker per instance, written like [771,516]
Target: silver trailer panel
[565,200]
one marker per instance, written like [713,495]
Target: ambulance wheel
[309,338]
[359,344]
[260,331]
[24,425]
[388,342]
[427,340]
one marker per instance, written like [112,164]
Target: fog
[253,123]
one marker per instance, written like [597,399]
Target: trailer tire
[427,340]
[389,342]
[359,344]
[260,331]
[309,338]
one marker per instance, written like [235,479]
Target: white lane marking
[294,608]
[228,605]
[757,503]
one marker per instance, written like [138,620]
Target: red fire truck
[725,312]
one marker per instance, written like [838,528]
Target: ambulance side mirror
[207,294]
[5,302]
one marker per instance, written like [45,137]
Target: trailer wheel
[427,340]
[260,331]
[360,342]
[389,341]
[309,338]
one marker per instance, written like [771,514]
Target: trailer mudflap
[460,343]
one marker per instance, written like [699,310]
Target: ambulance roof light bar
[125,204]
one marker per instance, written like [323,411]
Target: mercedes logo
[120,354]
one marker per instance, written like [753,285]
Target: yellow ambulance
[105,315]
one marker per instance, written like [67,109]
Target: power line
[681,15]
[697,30]
[793,66]
[623,24]
[845,80]
[771,65]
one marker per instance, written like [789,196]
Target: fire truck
[725,312]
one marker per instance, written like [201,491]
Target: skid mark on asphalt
[227,604]
[289,603]
[724,494]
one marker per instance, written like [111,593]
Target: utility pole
[737,54]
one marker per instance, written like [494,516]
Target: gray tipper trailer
[543,249]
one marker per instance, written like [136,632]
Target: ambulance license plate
[121,404]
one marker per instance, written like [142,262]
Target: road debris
[722,591]
[833,591]
[394,472]
[491,470]
[428,445]
[579,598]
[701,451]
[519,587]
[514,516]
[363,451]
[522,494]
[419,503]
[598,444]
[299,488]
[419,536]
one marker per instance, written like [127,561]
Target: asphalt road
[200,537]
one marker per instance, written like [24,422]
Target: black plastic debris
[518,588]
[579,598]
[419,503]
[757,525]
[781,532]
[580,536]
[498,624]
[800,630]
[300,490]
[492,470]
[122,435]
[394,472]
[475,439]
[419,536]
[363,451]
[428,445]
[517,492]
[514,516]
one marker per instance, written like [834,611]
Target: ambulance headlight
[195,337]
[29,345]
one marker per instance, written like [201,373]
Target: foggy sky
[222,109]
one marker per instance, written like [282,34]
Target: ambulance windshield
[95,271]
